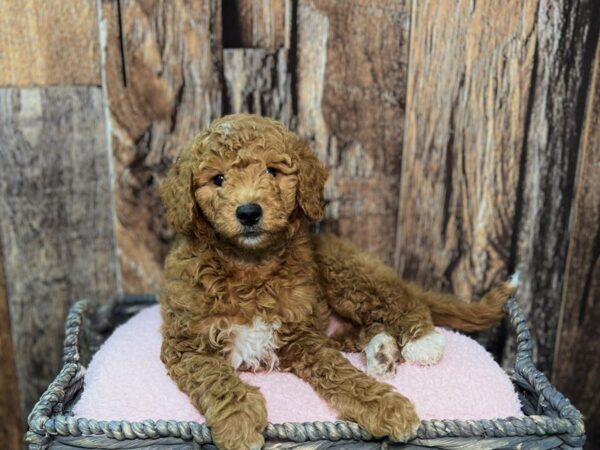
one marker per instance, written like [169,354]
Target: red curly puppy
[248,287]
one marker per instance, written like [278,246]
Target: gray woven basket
[550,422]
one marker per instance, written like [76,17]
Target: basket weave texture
[550,422]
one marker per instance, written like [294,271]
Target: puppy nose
[249,214]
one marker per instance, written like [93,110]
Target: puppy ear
[312,175]
[177,195]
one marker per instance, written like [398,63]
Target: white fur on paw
[425,350]
[515,280]
[381,354]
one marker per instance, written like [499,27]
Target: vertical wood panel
[50,42]
[56,219]
[469,81]
[577,363]
[495,94]
[481,181]
[11,422]
[258,81]
[567,33]
[255,23]
[351,68]
[166,92]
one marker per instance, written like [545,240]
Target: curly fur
[274,286]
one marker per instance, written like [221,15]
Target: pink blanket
[127,381]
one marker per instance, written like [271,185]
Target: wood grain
[256,23]
[50,42]
[460,167]
[56,219]
[351,69]
[11,417]
[258,81]
[165,93]
[490,150]
[469,81]
[567,33]
[577,357]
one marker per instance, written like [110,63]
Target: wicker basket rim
[47,420]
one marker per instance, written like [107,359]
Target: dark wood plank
[577,362]
[53,42]
[11,417]
[56,219]
[469,81]
[567,33]
[258,81]
[166,91]
[490,150]
[256,23]
[351,73]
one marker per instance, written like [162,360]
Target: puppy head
[248,179]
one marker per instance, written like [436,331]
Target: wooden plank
[490,150]
[258,81]
[567,33]
[167,91]
[577,358]
[256,23]
[50,42]
[469,81]
[56,219]
[351,72]
[11,418]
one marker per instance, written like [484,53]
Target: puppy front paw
[393,416]
[425,350]
[381,354]
[241,428]
[238,432]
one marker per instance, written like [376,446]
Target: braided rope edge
[46,419]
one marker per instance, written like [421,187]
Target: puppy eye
[218,179]
[272,171]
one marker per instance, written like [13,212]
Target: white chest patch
[255,346]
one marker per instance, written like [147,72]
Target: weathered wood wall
[57,221]
[577,364]
[11,421]
[351,72]
[55,193]
[567,35]
[162,80]
[494,115]
[49,43]
[469,83]
[462,140]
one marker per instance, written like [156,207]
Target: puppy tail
[449,311]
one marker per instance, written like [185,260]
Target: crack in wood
[122,44]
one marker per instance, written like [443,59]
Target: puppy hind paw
[381,354]
[425,350]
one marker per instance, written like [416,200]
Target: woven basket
[550,422]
